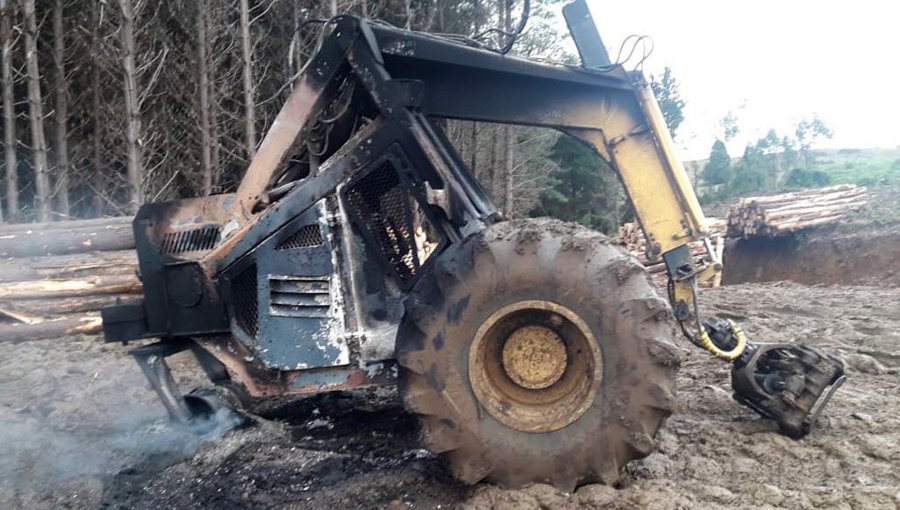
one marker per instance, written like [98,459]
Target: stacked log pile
[784,214]
[55,277]
[632,238]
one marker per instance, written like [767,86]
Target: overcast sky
[771,62]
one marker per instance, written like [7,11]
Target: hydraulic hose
[730,355]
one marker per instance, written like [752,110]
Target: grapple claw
[788,383]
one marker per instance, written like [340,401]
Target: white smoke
[67,426]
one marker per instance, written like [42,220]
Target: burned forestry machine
[360,250]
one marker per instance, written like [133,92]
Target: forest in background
[108,104]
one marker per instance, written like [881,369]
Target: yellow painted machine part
[731,355]
[634,139]
[666,153]
[636,142]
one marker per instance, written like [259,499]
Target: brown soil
[863,249]
[832,256]
[80,429]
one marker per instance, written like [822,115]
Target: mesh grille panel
[307,237]
[198,239]
[382,204]
[246,307]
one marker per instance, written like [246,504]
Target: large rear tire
[535,351]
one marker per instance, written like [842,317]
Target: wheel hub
[534,357]
[535,366]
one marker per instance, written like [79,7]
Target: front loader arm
[789,383]
[639,147]
[641,150]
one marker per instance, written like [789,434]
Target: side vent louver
[198,239]
[299,296]
[308,236]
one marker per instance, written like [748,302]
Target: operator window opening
[550,173]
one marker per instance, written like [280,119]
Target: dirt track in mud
[80,429]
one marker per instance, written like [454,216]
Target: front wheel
[535,351]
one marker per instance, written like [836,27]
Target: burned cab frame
[296,281]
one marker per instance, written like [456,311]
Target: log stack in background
[632,238]
[784,214]
[55,277]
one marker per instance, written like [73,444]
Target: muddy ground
[79,428]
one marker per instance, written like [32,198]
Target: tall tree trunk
[508,133]
[295,59]
[97,167]
[476,16]
[491,178]
[334,8]
[249,94]
[409,14]
[36,115]
[203,68]
[432,15]
[473,146]
[9,113]
[132,108]
[215,107]
[62,110]
[508,168]
[215,137]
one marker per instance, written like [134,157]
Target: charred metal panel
[286,298]
[366,144]
[245,301]
[584,33]
[307,237]
[376,297]
[186,240]
[425,49]
[179,299]
[316,381]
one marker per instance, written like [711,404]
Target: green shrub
[804,178]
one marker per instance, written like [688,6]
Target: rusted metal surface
[344,378]
[276,145]
[281,140]
[241,362]
[262,382]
